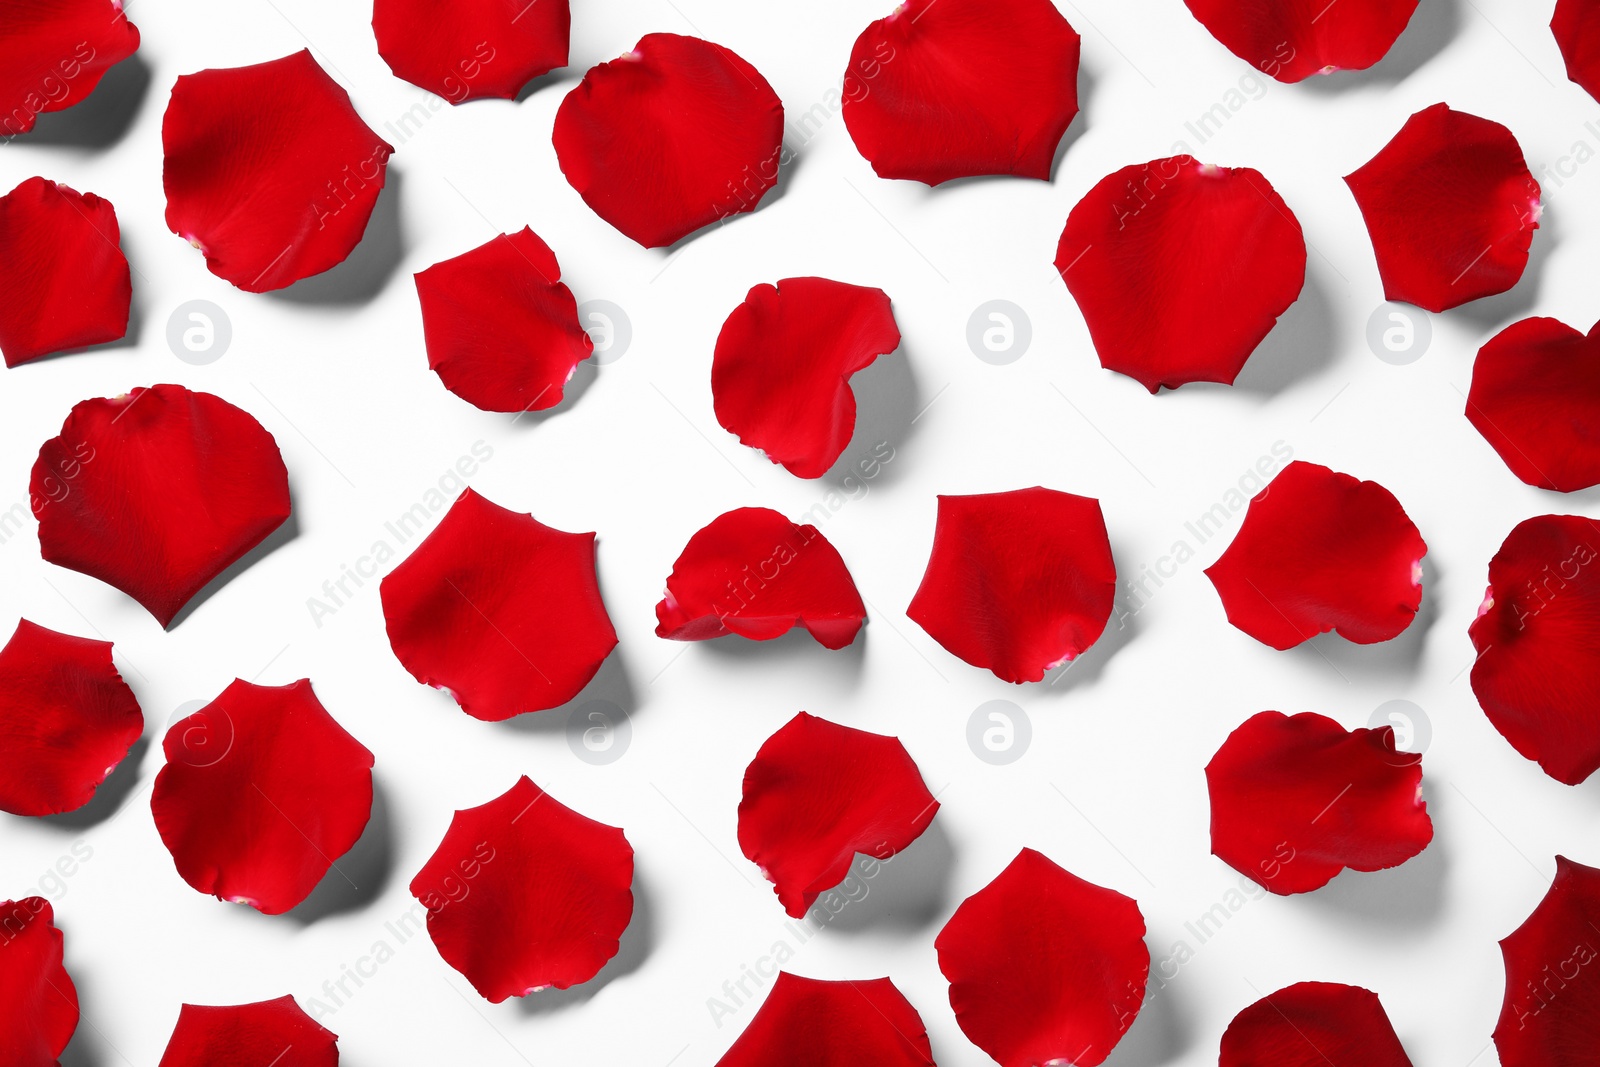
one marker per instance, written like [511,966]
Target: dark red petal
[62,270]
[38,1002]
[53,54]
[499,610]
[524,894]
[1018,582]
[1535,390]
[1313,1024]
[754,573]
[1291,40]
[780,380]
[809,1023]
[1321,551]
[1576,26]
[482,48]
[262,793]
[817,794]
[946,89]
[1536,675]
[66,720]
[502,331]
[675,135]
[269,170]
[272,1032]
[1297,799]
[1045,967]
[1181,269]
[1552,986]
[1451,208]
[157,492]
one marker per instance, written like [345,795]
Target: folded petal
[1576,26]
[482,48]
[1535,389]
[1313,1024]
[271,1032]
[1291,40]
[38,1002]
[1552,986]
[809,1023]
[54,52]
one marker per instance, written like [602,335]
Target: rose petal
[1044,967]
[675,135]
[754,573]
[157,492]
[261,794]
[944,89]
[502,331]
[483,48]
[38,1002]
[66,720]
[1017,582]
[524,893]
[54,52]
[1321,551]
[1451,208]
[1576,26]
[809,1023]
[1313,1024]
[269,170]
[62,270]
[1535,389]
[499,610]
[1291,40]
[1552,988]
[1181,269]
[274,1032]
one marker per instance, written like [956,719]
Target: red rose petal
[809,1023]
[754,573]
[1536,675]
[54,52]
[1535,389]
[482,48]
[66,720]
[499,610]
[272,1032]
[1313,1024]
[38,1002]
[262,793]
[1297,799]
[1552,987]
[157,492]
[1576,26]
[1321,551]
[269,170]
[780,380]
[502,331]
[1044,967]
[524,893]
[1018,582]
[1451,208]
[1291,40]
[818,793]
[1181,269]
[946,89]
[675,135]
[62,270]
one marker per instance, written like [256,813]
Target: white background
[1112,786]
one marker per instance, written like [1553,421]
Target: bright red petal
[272,1033]
[269,170]
[1044,967]
[1291,40]
[157,492]
[499,610]
[66,720]
[1451,208]
[1181,269]
[1321,551]
[502,331]
[524,894]
[675,135]
[262,793]
[754,573]
[946,89]
[1576,26]
[1018,582]
[62,271]
[38,1002]
[1536,674]
[809,1023]
[480,48]
[1313,1024]
[1535,389]
[54,52]
[1552,988]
